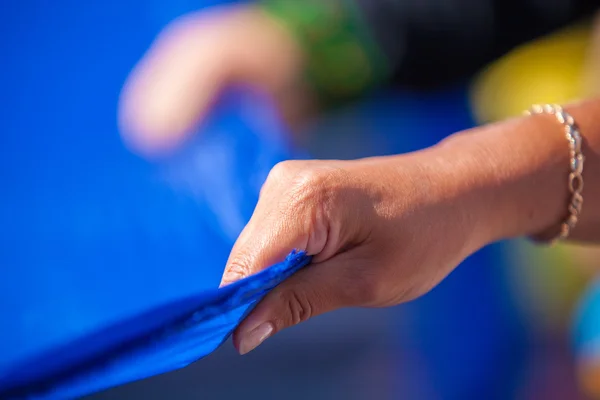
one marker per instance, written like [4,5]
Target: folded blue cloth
[159,341]
[103,255]
[110,263]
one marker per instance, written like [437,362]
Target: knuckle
[282,171]
[304,176]
[312,186]
[279,176]
[298,307]
[313,177]
[304,193]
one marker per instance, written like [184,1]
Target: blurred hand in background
[197,56]
[315,54]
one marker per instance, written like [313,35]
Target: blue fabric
[170,337]
[100,249]
[92,238]
[104,254]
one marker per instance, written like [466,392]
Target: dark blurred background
[500,327]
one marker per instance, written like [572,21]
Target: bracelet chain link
[575,182]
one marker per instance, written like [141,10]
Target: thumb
[303,206]
[316,289]
[257,249]
[288,216]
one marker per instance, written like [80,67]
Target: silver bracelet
[575,182]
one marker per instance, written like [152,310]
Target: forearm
[516,174]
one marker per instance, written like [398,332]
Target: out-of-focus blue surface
[587,324]
[99,235]
[93,236]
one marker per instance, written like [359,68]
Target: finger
[295,211]
[317,289]
[264,242]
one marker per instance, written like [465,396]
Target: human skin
[193,59]
[381,230]
[386,230]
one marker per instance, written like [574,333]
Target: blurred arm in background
[312,54]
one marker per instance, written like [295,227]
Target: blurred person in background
[313,56]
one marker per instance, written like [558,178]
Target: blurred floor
[343,355]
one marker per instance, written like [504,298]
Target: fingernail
[225,282]
[251,340]
[229,278]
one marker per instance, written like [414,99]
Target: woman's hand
[382,231]
[386,230]
[197,56]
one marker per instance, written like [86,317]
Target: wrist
[515,175]
[435,182]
